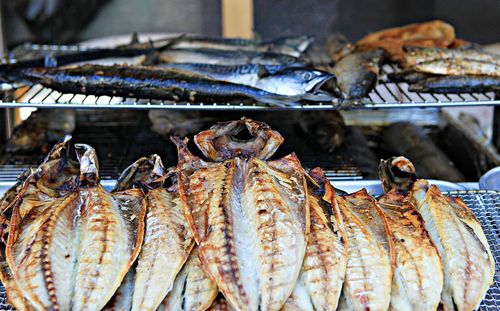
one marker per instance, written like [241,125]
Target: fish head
[145,173]
[310,79]
[397,173]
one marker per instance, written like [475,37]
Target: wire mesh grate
[484,204]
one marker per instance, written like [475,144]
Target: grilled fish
[167,238]
[149,82]
[408,76]
[193,289]
[43,128]
[249,217]
[70,246]
[396,173]
[337,46]
[323,271]
[274,79]
[357,74]
[468,264]
[293,46]
[458,67]
[221,57]
[418,273]
[370,259]
[417,55]
[457,84]
[220,304]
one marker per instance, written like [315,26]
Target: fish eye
[307,75]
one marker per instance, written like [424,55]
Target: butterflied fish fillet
[468,264]
[323,271]
[167,240]
[250,220]
[367,284]
[418,273]
[122,299]
[73,250]
[193,289]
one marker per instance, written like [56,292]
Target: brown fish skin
[226,203]
[458,67]
[323,271]
[218,143]
[468,264]
[193,289]
[370,260]
[418,273]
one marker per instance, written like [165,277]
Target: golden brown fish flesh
[323,271]
[249,217]
[69,248]
[193,289]
[370,258]
[418,273]
[468,264]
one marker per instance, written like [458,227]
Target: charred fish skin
[193,289]
[150,83]
[320,281]
[418,273]
[357,73]
[370,258]
[468,264]
[456,84]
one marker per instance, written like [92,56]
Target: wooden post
[237,18]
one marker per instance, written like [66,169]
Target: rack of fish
[235,231]
[416,65]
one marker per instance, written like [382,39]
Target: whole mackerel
[151,83]
[457,84]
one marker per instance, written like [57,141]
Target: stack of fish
[236,232]
[190,68]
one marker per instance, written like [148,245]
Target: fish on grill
[274,79]
[70,241]
[370,258]
[418,55]
[430,162]
[167,238]
[337,46]
[226,57]
[457,84]
[418,273]
[357,74]
[293,46]
[458,67]
[249,216]
[468,264]
[193,289]
[41,129]
[323,271]
[151,83]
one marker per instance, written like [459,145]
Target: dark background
[477,21]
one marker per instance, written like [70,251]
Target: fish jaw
[193,289]
[467,262]
[367,283]
[418,273]
[166,246]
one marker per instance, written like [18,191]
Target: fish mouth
[326,83]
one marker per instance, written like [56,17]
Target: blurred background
[68,21]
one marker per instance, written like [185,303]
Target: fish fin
[134,39]
[89,166]
[263,72]
[171,43]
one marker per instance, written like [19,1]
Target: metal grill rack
[385,95]
[486,206]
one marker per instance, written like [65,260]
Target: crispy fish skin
[323,271]
[226,204]
[193,289]
[468,264]
[418,273]
[370,259]
[167,244]
[218,144]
